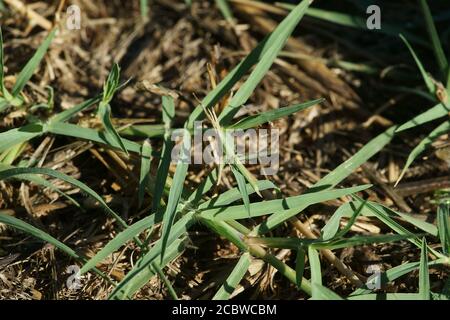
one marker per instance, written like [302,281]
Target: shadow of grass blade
[426,78]
[275,42]
[239,271]
[33,63]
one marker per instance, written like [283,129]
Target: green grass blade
[423,145]
[69,113]
[434,37]
[275,42]
[242,188]
[37,233]
[104,112]
[272,115]
[300,266]
[424,277]
[142,271]
[443,216]
[72,130]
[234,278]
[119,240]
[11,173]
[144,8]
[356,22]
[267,207]
[10,138]
[316,272]
[33,63]
[426,78]
[225,9]
[438,111]
[175,192]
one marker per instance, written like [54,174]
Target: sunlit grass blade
[272,115]
[142,270]
[168,106]
[271,206]
[119,240]
[323,293]
[13,137]
[144,170]
[225,9]
[438,111]
[104,112]
[33,63]
[234,278]
[443,216]
[35,232]
[434,37]
[426,78]
[144,8]
[424,277]
[334,177]
[316,271]
[275,43]
[423,145]
[242,188]
[72,130]
[175,192]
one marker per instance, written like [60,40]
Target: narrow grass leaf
[275,42]
[33,63]
[423,145]
[272,115]
[234,278]
[443,216]
[424,277]
[438,111]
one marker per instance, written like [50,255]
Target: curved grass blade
[275,42]
[434,37]
[119,240]
[438,111]
[11,173]
[424,277]
[334,177]
[443,216]
[33,63]
[272,115]
[239,271]
[10,138]
[426,78]
[37,233]
[267,207]
[104,112]
[423,145]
